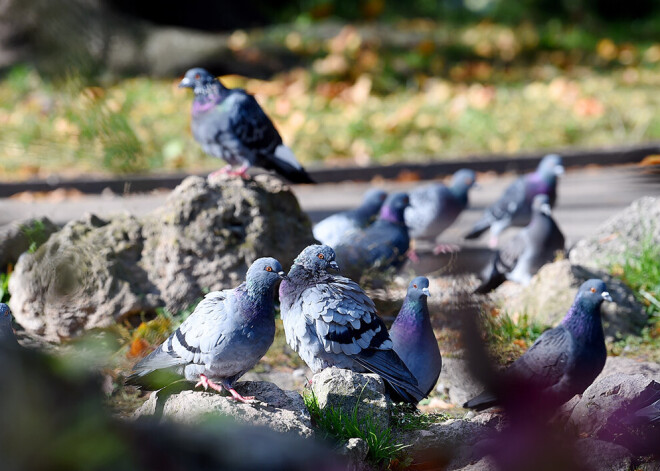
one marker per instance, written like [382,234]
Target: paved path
[587,197]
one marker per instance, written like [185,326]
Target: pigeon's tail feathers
[481,402]
[388,365]
[286,164]
[479,228]
[156,360]
[491,278]
[649,414]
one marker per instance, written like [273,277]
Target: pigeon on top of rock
[330,321]
[225,336]
[7,336]
[230,124]
[413,337]
[435,207]
[565,360]
[382,245]
[515,206]
[331,230]
[533,247]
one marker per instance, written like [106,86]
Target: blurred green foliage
[509,336]
[4,287]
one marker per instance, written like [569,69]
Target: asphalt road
[587,197]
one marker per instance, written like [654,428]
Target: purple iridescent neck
[387,213]
[583,319]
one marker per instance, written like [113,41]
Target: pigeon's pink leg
[207,383]
[221,171]
[241,172]
[446,248]
[492,242]
[412,255]
[239,398]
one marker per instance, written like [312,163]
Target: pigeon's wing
[345,321]
[504,209]
[195,338]
[545,363]
[251,126]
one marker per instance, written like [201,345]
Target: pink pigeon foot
[207,383]
[241,172]
[222,171]
[412,255]
[239,398]
[492,242]
[446,248]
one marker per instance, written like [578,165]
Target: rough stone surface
[630,366]
[553,289]
[355,451]
[597,455]
[283,411]
[349,391]
[619,236]
[456,380]
[95,272]
[15,238]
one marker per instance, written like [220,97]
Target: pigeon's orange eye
[321,256]
[414,286]
[269,269]
[593,290]
[197,76]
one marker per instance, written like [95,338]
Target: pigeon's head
[4,311]
[317,258]
[198,79]
[464,178]
[374,197]
[265,272]
[541,204]
[394,207]
[418,288]
[593,292]
[550,166]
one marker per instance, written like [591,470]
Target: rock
[355,451]
[553,289]
[95,272]
[597,455]
[484,464]
[351,392]
[606,411]
[16,238]
[457,381]
[621,235]
[283,411]
[630,366]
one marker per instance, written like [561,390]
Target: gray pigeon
[515,206]
[565,360]
[230,124]
[225,336]
[433,208]
[333,229]
[380,246]
[7,336]
[533,247]
[330,321]
[413,337]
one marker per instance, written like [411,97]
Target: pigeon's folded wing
[251,126]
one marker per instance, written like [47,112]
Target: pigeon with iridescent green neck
[413,337]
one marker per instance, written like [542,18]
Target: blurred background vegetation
[89,86]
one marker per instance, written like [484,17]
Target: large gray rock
[553,289]
[351,392]
[457,381]
[95,272]
[597,455]
[621,235]
[18,236]
[355,451]
[630,366]
[283,411]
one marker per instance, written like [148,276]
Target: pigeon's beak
[559,169]
[282,275]
[606,296]
[546,209]
[426,292]
[186,83]
[334,265]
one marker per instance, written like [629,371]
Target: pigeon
[380,246]
[331,230]
[515,206]
[533,247]
[433,208]
[7,336]
[330,321]
[230,124]
[413,338]
[565,360]
[225,336]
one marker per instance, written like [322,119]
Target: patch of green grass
[408,418]
[508,337]
[4,287]
[340,426]
[36,234]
